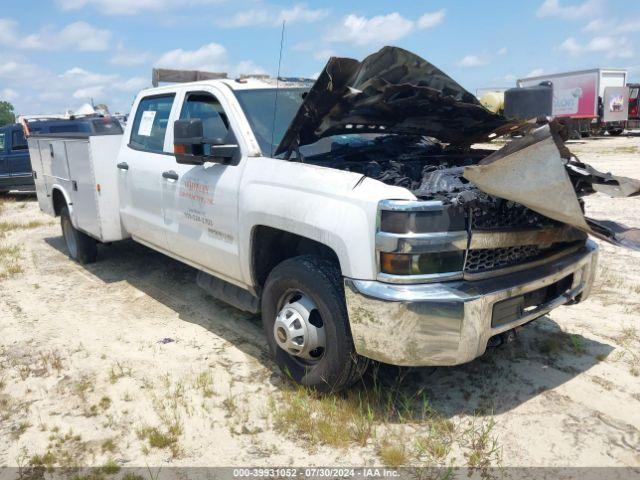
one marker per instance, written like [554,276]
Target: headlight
[423,264]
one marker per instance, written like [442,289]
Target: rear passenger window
[18,141]
[2,142]
[150,123]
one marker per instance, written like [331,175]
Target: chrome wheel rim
[299,329]
[69,238]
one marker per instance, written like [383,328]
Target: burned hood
[391,91]
[539,172]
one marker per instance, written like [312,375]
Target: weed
[483,447]
[204,383]
[230,405]
[105,403]
[119,371]
[84,386]
[20,429]
[9,261]
[393,455]
[110,468]
[109,445]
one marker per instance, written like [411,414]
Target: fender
[333,207]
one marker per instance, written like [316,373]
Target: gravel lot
[86,379]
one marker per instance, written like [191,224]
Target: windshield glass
[258,107]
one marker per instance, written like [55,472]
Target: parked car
[15,165]
[336,215]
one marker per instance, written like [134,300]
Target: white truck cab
[343,267]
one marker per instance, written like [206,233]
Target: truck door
[141,165]
[19,164]
[4,168]
[201,204]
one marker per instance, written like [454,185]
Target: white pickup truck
[355,239]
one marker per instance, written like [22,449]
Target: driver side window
[206,107]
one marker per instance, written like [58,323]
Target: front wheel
[81,247]
[305,319]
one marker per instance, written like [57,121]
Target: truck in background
[579,99]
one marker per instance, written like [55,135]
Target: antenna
[275,100]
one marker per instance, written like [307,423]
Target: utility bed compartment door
[86,213]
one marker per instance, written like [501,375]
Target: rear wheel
[81,247]
[305,319]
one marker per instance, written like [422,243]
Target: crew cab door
[19,164]
[201,205]
[141,165]
[4,163]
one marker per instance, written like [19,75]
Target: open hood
[391,91]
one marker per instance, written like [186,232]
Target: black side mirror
[192,148]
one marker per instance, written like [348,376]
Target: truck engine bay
[396,118]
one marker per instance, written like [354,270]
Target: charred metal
[396,118]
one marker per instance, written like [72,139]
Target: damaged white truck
[351,212]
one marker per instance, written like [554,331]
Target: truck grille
[505,215]
[486,259]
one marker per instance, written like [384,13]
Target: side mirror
[192,148]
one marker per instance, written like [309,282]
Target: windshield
[258,107]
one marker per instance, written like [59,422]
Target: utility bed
[75,162]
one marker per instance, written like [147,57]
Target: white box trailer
[83,166]
[579,96]
[576,94]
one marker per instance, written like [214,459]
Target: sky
[58,54]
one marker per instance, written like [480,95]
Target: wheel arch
[271,246]
[59,200]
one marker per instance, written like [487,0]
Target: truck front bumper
[450,323]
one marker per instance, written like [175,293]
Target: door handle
[123,166]
[170,174]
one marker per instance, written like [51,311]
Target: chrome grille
[486,259]
[493,258]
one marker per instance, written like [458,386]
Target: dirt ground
[127,362]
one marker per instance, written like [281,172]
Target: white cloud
[614,25]
[8,31]
[79,77]
[503,51]
[571,46]
[89,92]
[432,19]
[377,30]
[132,84]
[130,59]
[208,57]
[299,13]
[8,94]
[470,61]
[132,7]
[553,8]
[536,72]
[211,58]
[612,47]
[80,36]
[323,54]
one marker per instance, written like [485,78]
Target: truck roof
[248,83]
[575,72]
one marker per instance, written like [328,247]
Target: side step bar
[228,293]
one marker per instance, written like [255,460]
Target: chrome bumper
[450,323]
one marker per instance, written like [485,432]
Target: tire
[80,246]
[319,281]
